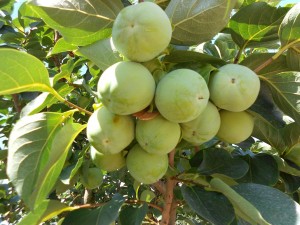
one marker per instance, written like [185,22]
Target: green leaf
[37,149]
[70,171]
[263,169]
[266,132]
[133,214]
[147,195]
[181,56]
[243,208]
[290,134]
[103,215]
[3,154]
[102,53]
[22,72]
[45,100]
[197,21]
[61,46]
[285,91]
[289,31]
[82,22]
[219,161]
[46,210]
[283,166]
[291,183]
[256,24]
[212,206]
[284,210]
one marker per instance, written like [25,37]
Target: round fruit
[145,167]
[92,179]
[109,133]
[235,126]
[204,127]
[142,31]
[126,87]
[158,135]
[181,95]
[234,87]
[108,162]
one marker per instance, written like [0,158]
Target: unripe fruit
[92,179]
[142,31]
[158,135]
[181,95]
[235,126]
[108,162]
[126,87]
[234,87]
[204,127]
[145,167]
[109,133]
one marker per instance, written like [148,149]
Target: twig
[17,103]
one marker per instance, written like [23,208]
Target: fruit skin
[181,95]
[108,162]
[109,133]
[142,31]
[204,127]
[235,126]
[158,135]
[145,167]
[93,178]
[126,87]
[234,87]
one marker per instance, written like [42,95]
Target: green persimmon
[109,133]
[145,167]
[235,126]
[204,127]
[92,178]
[142,31]
[158,135]
[234,87]
[181,95]
[126,88]
[108,162]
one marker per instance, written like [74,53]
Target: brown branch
[70,104]
[88,196]
[160,186]
[174,205]
[17,103]
[265,64]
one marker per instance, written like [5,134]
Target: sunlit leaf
[133,214]
[197,21]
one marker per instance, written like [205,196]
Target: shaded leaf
[102,53]
[103,215]
[80,22]
[37,149]
[256,24]
[291,183]
[284,166]
[212,206]
[46,210]
[219,161]
[22,72]
[62,46]
[182,56]
[263,169]
[197,21]
[133,214]
[290,26]
[285,92]
[284,210]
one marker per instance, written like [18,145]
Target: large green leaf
[37,150]
[133,214]
[101,53]
[103,215]
[197,21]
[46,210]
[275,206]
[22,72]
[212,206]
[219,161]
[263,169]
[289,31]
[286,92]
[256,24]
[80,22]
